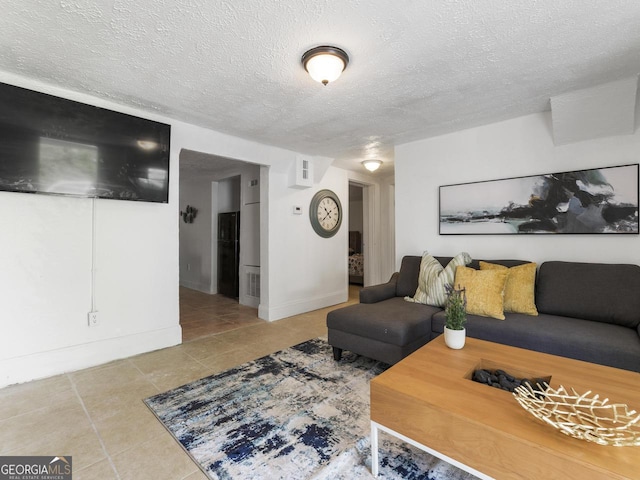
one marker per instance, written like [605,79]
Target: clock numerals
[328,213]
[325,213]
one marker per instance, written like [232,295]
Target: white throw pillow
[433,277]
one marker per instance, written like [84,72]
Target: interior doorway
[375,201]
[356,259]
[217,186]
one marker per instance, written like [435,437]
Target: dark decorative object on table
[501,379]
[189,214]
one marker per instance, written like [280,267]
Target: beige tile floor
[97,415]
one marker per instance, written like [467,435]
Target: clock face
[328,213]
[325,213]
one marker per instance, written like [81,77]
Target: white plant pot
[454,338]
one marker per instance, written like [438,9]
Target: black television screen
[61,147]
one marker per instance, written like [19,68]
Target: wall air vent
[301,173]
[253,284]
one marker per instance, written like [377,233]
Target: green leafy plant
[455,308]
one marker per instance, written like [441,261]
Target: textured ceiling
[418,68]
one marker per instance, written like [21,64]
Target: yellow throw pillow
[484,290]
[519,291]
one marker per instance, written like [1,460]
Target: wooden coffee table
[429,400]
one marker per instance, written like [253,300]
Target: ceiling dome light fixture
[371,165]
[325,63]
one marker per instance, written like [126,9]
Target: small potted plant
[456,317]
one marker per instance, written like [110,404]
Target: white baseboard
[200,287]
[249,301]
[289,309]
[55,362]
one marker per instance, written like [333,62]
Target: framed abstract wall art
[593,201]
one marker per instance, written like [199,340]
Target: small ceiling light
[325,63]
[372,165]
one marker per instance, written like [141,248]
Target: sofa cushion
[476,263]
[595,342]
[519,291]
[408,275]
[434,277]
[377,293]
[392,321]
[484,290]
[591,291]
[410,270]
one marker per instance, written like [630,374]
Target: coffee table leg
[374,449]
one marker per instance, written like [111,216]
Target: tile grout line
[196,360]
[146,376]
[95,429]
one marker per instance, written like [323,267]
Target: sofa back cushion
[408,276]
[600,292]
[410,270]
[475,263]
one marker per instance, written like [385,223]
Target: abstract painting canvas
[598,200]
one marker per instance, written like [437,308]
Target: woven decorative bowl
[582,416]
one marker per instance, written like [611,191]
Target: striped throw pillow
[433,277]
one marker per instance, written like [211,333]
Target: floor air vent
[253,284]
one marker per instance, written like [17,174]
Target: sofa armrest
[377,293]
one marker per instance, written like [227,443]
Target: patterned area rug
[294,414]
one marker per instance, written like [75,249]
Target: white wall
[387,227]
[250,220]
[195,238]
[45,254]
[229,195]
[45,278]
[517,147]
[306,271]
[299,270]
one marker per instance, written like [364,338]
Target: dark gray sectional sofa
[587,311]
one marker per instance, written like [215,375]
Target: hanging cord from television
[94,210]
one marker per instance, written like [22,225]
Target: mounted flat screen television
[56,146]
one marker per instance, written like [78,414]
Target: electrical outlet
[93,318]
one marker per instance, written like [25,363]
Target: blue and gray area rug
[295,414]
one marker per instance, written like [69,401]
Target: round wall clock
[325,213]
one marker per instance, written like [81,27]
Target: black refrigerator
[228,253]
